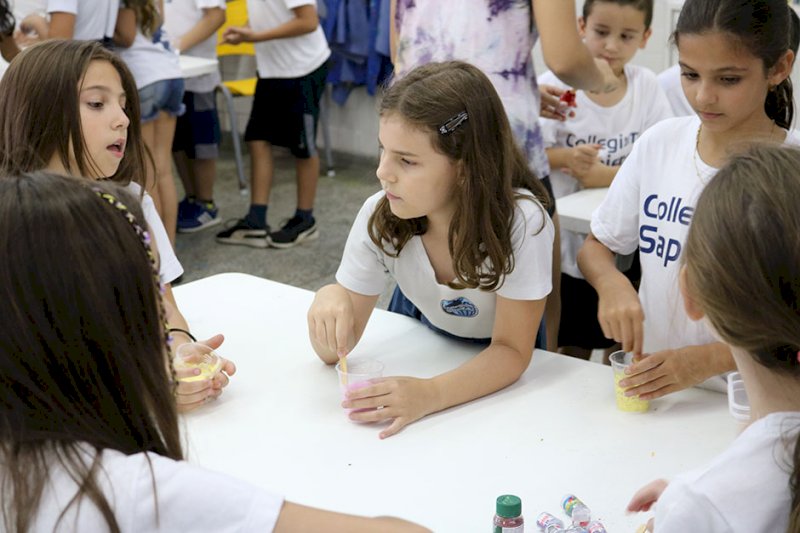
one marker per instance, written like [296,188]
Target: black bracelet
[180,330]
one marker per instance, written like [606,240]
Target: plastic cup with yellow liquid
[621,360]
[194,356]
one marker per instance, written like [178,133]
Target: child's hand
[610,80]
[550,105]
[664,372]
[238,34]
[331,322]
[620,314]
[644,499]
[193,394]
[581,159]
[403,399]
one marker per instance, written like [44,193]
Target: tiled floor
[310,265]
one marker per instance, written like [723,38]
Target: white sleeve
[362,269]
[210,4]
[532,242]
[615,222]
[680,509]
[169,266]
[658,106]
[65,6]
[182,487]
[291,4]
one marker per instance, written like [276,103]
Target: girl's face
[418,180]
[614,33]
[104,124]
[726,85]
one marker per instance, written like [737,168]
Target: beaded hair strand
[144,236]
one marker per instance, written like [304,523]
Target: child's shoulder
[642,78]
[675,128]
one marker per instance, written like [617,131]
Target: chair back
[235,15]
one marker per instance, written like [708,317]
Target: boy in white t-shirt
[83,20]
[587,149]
[192,27]
[291,55]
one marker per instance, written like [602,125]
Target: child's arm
[8,47]
[664,372]
[305,21]
[564,52]
[125,30]
[62,25]
[337,319]
[213,19]
[406,400]
[618,309]
[581,162]
[295,517]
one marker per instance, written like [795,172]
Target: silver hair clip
[453,123]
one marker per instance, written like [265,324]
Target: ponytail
[779,105]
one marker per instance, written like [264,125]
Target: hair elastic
[453,122]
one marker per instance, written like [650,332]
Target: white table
[575,210]
[279,424]
[192,66]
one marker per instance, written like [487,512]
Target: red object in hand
[568,98]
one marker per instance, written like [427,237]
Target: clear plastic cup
[621,360]
[359,373]
[195,355]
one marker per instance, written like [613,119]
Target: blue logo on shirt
[459,307]
[661,211]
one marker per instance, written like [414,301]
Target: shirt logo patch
[459,307]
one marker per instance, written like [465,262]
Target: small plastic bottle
[577,510]
[549,524]
[595,526]
[508,517]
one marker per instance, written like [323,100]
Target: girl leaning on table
[461,228]
[741,275]
[735,62]
[89,437]
[71,107]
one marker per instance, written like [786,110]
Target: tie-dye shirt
[496,36]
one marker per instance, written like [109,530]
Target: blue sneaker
[197,216]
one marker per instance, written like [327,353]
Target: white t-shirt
[292,57]
[468,312]
[190,499]
[616,128]
[180,16]
[170,268]
[94,19]
[150,60]
[746,489]
[670,81]
[650,205]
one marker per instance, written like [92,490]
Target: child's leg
[164,131]
[307,178]
[185,172]
[261,172]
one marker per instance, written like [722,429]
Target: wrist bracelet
[180,330]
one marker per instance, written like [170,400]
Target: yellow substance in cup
[207,369]
[631,404]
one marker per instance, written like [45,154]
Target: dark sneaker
[199,216]
[186,207]
[294,232]
[242,233]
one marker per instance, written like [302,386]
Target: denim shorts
[164,95]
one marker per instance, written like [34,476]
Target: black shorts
[197,131]
[285,112]
[579,325]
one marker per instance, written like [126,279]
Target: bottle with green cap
[508,515]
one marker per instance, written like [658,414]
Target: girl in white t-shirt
[157,70]
[460,227]
[89,436]
[72,107]
[735,63]
[741,275]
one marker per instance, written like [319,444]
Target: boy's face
[614,33]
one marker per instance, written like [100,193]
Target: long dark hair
[83,355]
[148,19]
[763,27]
[40,116]
[490,160]
[742,258]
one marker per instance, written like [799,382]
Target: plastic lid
[738,403]
[508,506]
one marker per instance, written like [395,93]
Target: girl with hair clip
[157,71]
[735,65]
[741,275]
[461,227]
[71,107]
[89,437]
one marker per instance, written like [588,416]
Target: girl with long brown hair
[741,275]
[89,437]
[461,227]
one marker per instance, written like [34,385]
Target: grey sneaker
[297,230]
[242,233]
